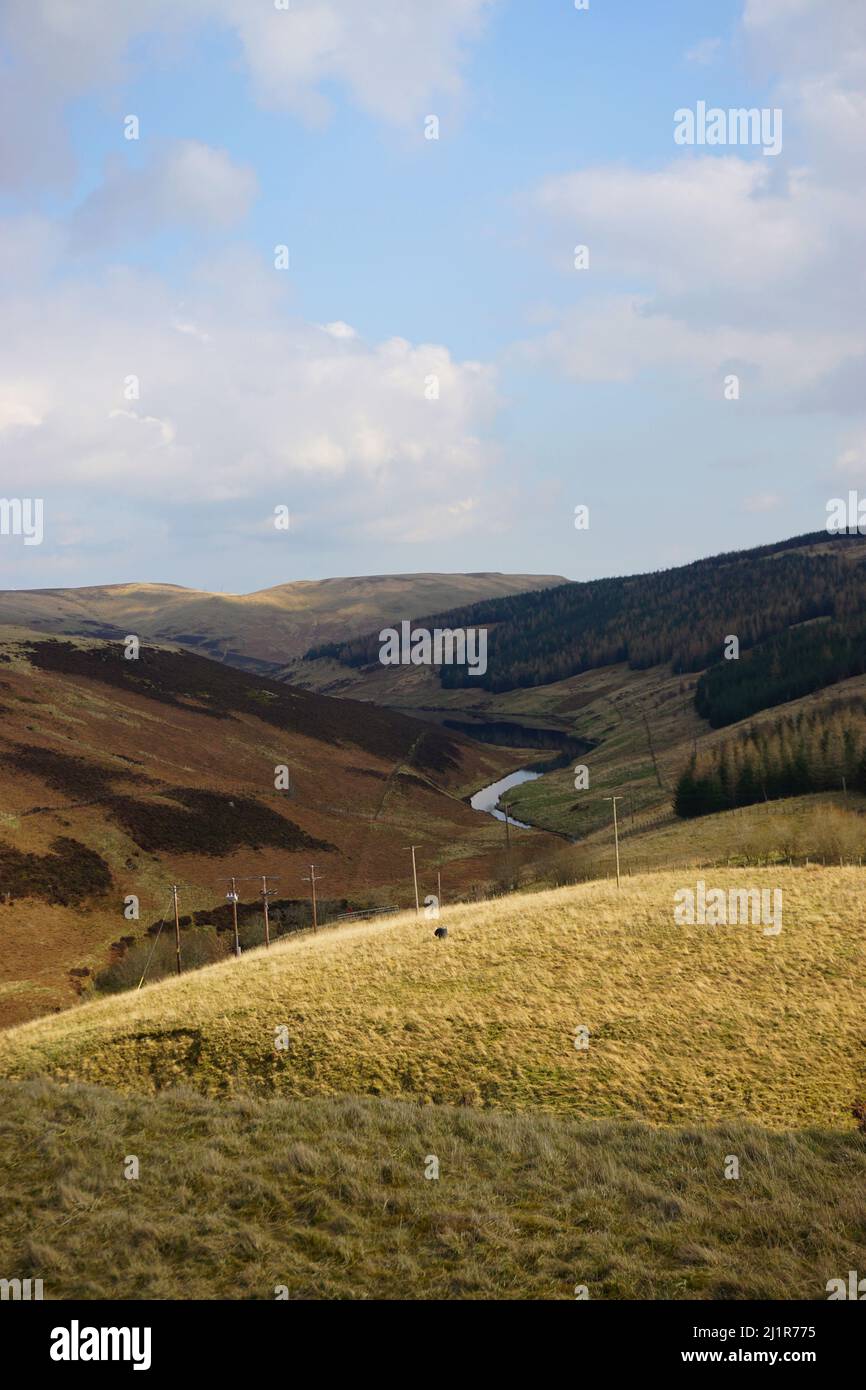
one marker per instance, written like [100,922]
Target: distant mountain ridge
[260,630]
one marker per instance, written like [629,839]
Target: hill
[680,617]
[120,777]
[308,1167]
[630,670]
[257,630]
[686,1024]
[328,1199]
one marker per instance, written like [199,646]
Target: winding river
[487,798]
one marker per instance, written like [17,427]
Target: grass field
[823,829]
[328,1198]
[686,1023]
[308,1168]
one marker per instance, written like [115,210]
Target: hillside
[619,666]
[309,1167]
[122,777]
[799,604]
[686,1024]
[328,1199]
[260,629]
[679,617]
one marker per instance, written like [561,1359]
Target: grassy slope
[329,1198]
[342,793]
[633,715]
[687,1024]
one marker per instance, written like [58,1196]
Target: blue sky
[411,259]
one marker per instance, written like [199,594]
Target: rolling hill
[307,1167]
[632,669]
[685,1023]
[258,630]
[120,777]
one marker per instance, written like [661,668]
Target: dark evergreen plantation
[680,616]
[816,750]
[788,666]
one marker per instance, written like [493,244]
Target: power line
[176,926]
[313,879]
[153,947]
[415,877]
[615,799]
[232,896]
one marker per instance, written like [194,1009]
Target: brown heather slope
[120,777]
[271,626]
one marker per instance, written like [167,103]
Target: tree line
[811,751]
[680,616]
[786,667]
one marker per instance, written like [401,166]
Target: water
[486,799]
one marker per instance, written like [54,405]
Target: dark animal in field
[441,932]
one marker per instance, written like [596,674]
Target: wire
[153,947]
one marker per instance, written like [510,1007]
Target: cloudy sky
[430,383]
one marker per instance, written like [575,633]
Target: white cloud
[816,51]
[762,502]
[851,462]
[394,57]
[704,52]
[186,183]
[396,60]
[715,260]
[717,221]
[339,330]
[250,405]
[619,337]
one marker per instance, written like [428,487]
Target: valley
[555,1019]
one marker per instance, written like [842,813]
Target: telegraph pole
[508,844]
[439,887]
[615,799]
[415,877]
[265,892]
[313,880]
[233,898]
[176,927]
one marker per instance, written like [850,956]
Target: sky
[282,298]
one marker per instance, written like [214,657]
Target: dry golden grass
[328,1198]
[687,1024]
[823,828]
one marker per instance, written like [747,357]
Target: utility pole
[265,892]
[176,927]
[313,880]
[233,898]
[439,887]
[615,799]
[508,844]
[415,877]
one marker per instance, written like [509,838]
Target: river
[486,799]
